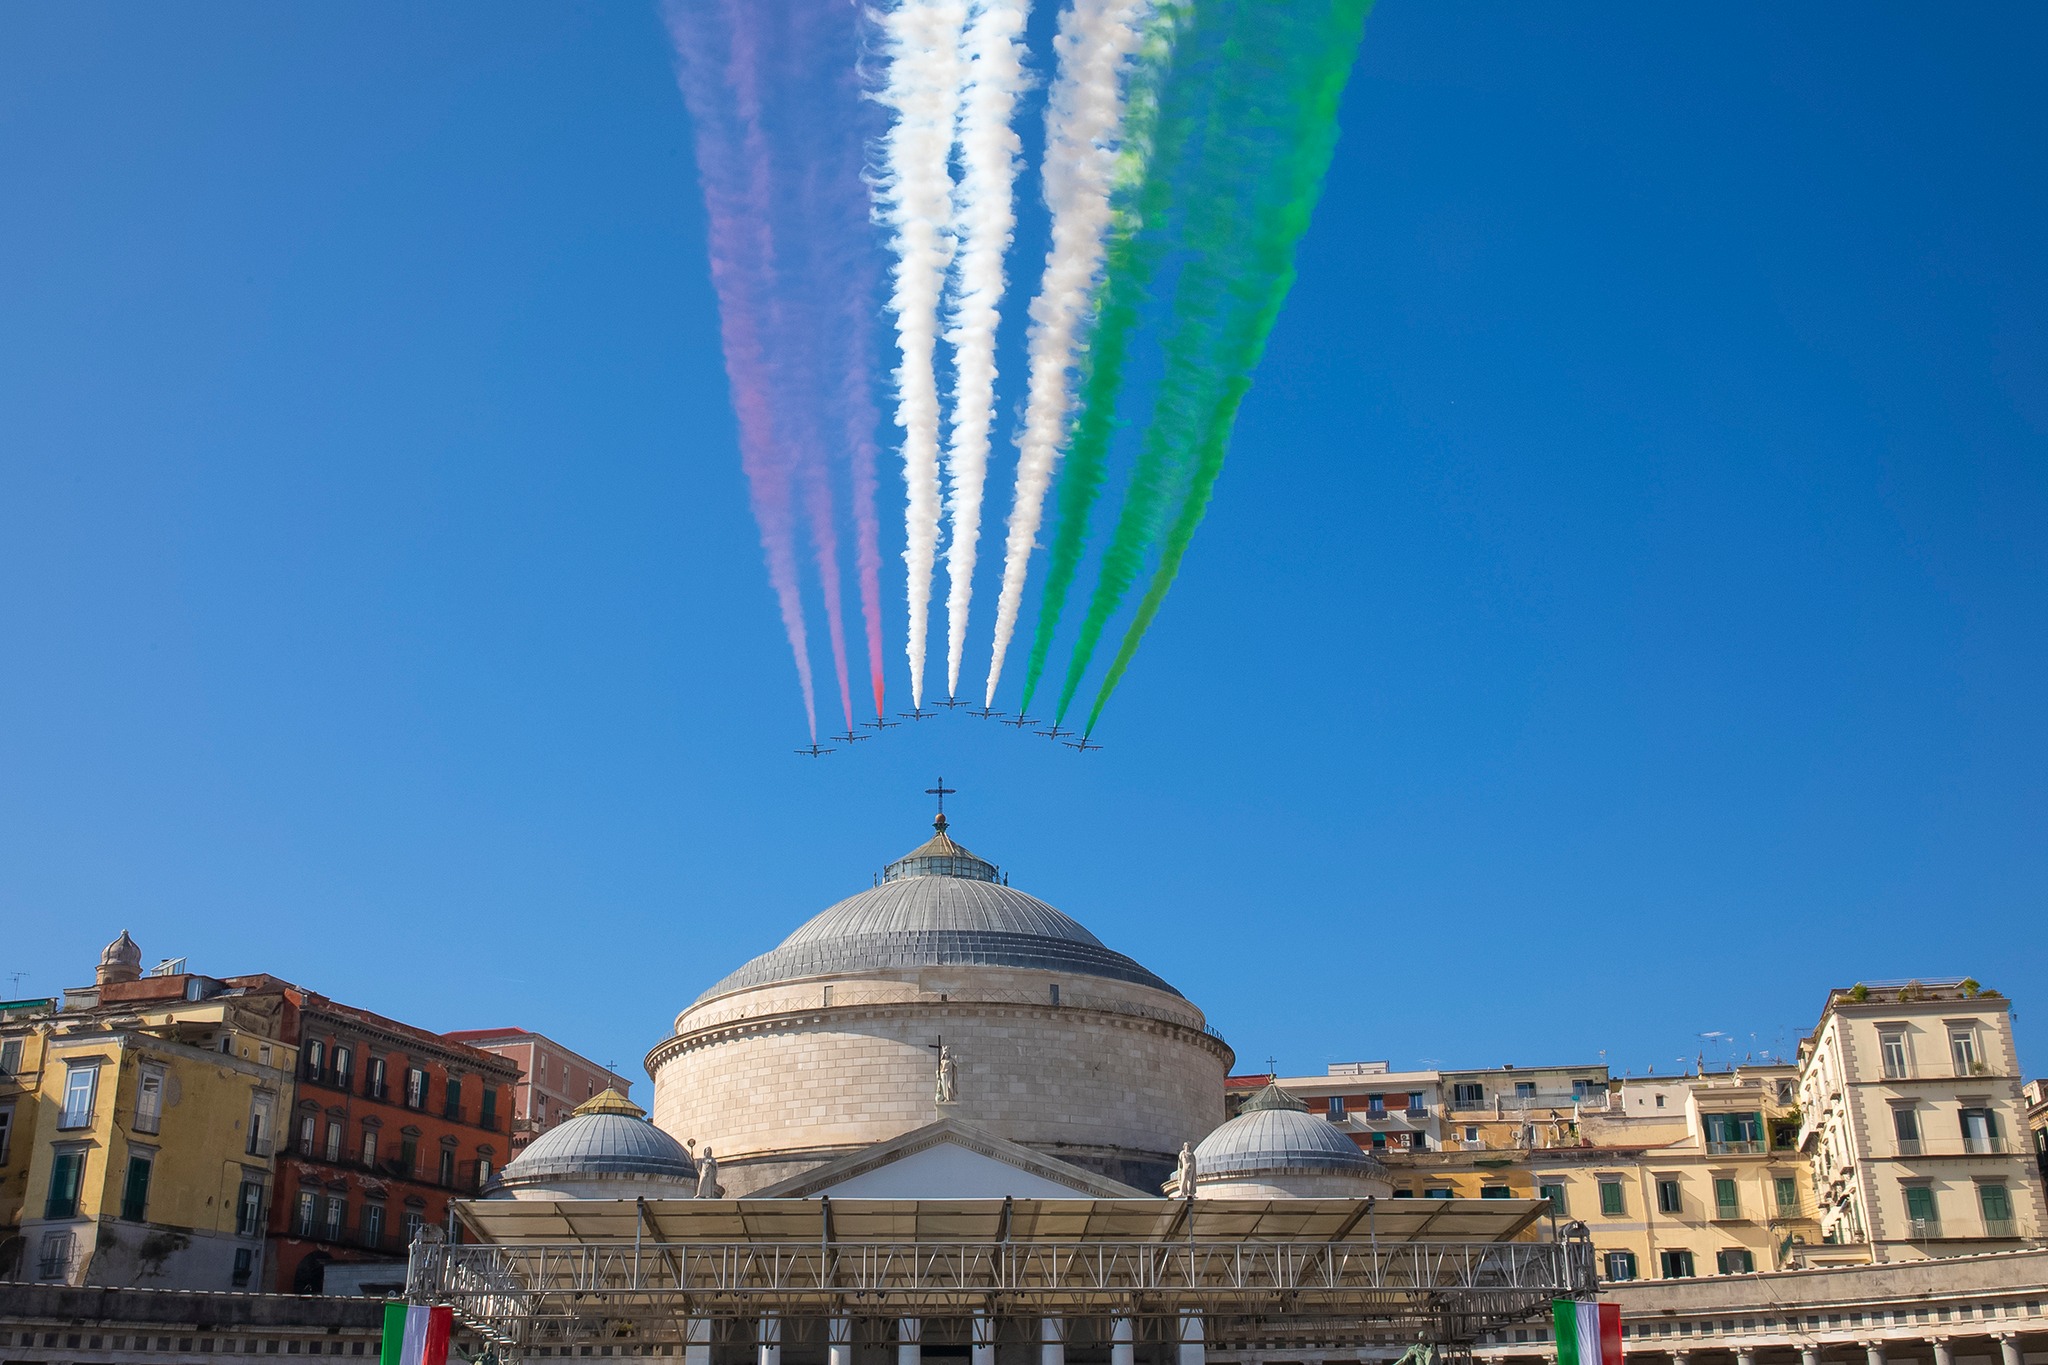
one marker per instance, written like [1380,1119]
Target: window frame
[70,1117]
[134,1201]
[1617,1207]
[1670,1194]
[56,1205]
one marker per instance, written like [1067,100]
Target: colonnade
[1874,1352]
[1192,1346]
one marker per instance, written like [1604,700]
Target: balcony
[1744,1147]
[1923,1229]
[1966,1146]
[2001,1227]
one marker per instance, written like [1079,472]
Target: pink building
[552,1079]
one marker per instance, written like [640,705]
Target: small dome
[938,905]
[1275,1134]
[122,952]
[607,1136]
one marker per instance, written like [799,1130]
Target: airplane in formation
[916,713]
[1054,733]
[1083,746]
[986,713]
[950,703]
[881,723]
[851,738]
[815,751]
[1021,722]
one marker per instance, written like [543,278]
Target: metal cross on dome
[942,791]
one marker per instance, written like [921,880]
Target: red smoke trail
[725,109]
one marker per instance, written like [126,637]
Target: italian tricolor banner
[1587,1333]
[415,1334]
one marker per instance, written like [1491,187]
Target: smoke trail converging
[1084,132]
[922,41]
[985,220]
[725,108]
[1155,141]
[1269,153]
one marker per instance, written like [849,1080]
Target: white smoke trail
[985,220]
[1084,122]
[921,39]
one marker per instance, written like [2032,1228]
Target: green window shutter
[1996,1202]
[1788,1194]
[1610,1198]
[135,1193]
[1555,1194]
[64,1180]
[1920,1203]
[1725,1200]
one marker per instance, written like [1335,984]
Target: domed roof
[1274,1134]
[122,952]
[938,905]
[608,1135]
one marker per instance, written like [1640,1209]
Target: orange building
[390,1123]
[552,1079]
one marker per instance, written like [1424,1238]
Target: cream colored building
[1913,1122]
[828,1044]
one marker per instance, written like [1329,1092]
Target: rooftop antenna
[14,982]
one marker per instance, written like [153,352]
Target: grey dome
[1274,1135]
[597,1144]
[937,906]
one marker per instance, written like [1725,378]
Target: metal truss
[1356,1292]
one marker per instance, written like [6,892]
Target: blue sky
[1621,618]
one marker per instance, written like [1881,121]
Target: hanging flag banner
[415,1334]
[1587,1333]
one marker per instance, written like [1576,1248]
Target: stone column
[1873,1352]
[1809,1355]
[2008,1349]
[1944,1352]
[1122,1343]
[1745,1355]
[1193,1344]
[984,1352]
[1680,1357]
[1052,1341]
[770,1350]
[839,1341]
[697,1342]
[910,1340]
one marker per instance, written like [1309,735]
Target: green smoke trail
[1153,143]
[1275,154]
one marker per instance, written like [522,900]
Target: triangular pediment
[949,1159]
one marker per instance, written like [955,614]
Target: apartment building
[1385,1111]
[1914,1123]
[391,1122]
[552,1079]
[136,1148]
[2034,1094]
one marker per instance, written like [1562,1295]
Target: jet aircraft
[951,703]
[1021,722]
[917,714]
[1083,746]
[986,713]
[881,723]
[851,738]
[1053,733]
[815,751]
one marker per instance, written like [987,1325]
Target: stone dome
[938,905]
[607,1149]
[120,960]
[1276,1144]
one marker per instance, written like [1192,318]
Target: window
[447,1172]
[309,1130]
[373,1080]
[1980,1131]
[1493,1192]
[249,1209]
[1734,1261]
[1784,1136]
[1675,1265]
[344,1066]
[1555,1194]
[369,1146]
[1669,1199]
[135,1190]
[1921,1211]
[1416,1108]
[1727,1202]
[245,1265]
[1336,1108]
[489,1117]
[1471,1132]
[373,1225]
[6,1131]
[415,1088]
[333,1152]
[1788,1196]
[55,1260]
[1891,1046]
[408,1154]
[1610,1198]
[81,1088]
[259,1125]
[1733,1132]
[1584,1089]
[308,1210]
[1468,1095]
[67,1170]
[316,1058]
[1376,1106]
[149,1100]
[483,1172]
[337,1217]
[10,1057]
[1437,1193]
[1621,1265]
[451,1105]
[1525,1090]
[411,1224]
[1054,993]
[1962,1046]
[1996,1204]
[1906,1128]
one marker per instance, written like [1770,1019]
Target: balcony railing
[1967,1146]
[2001,1227]
[1923,1229]
[1742,1147]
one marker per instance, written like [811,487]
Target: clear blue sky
[1622,617]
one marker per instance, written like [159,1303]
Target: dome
[938,905]
[1275,1134]
[608,1136]
[120,961]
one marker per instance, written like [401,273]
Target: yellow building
[144,1132]
[21,1068]
[1689,1176]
